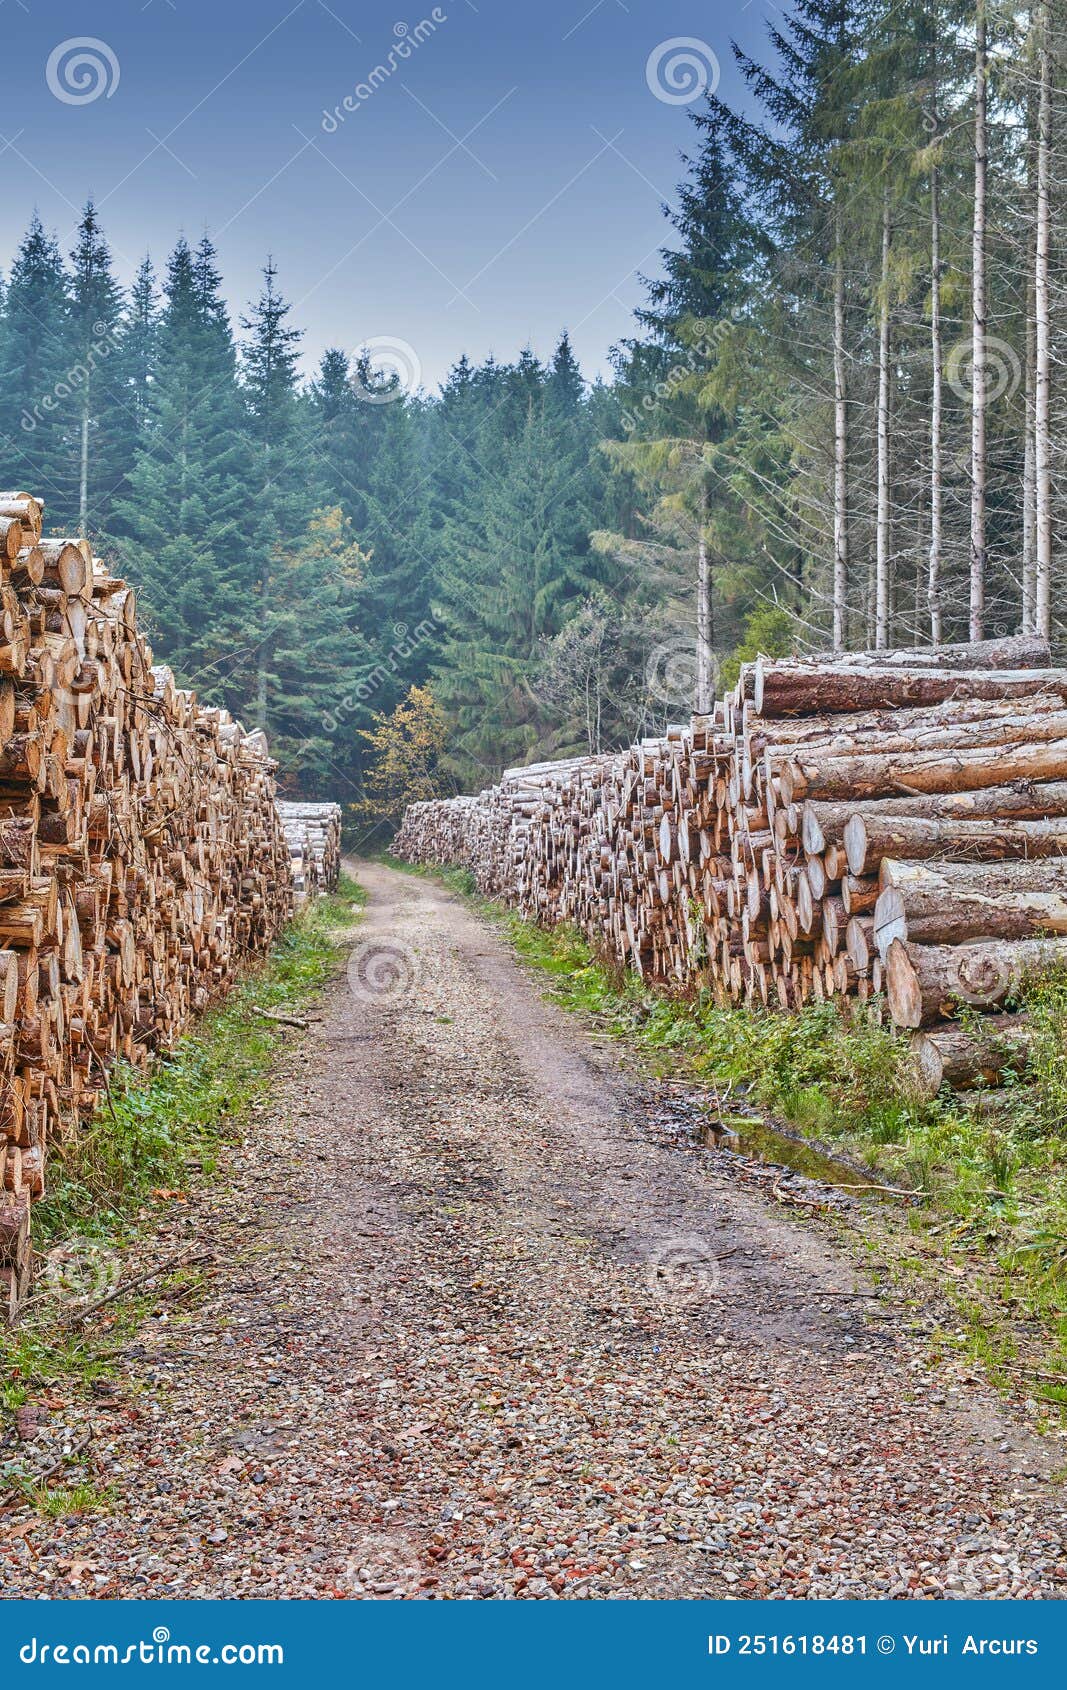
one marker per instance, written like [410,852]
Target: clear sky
[502,180]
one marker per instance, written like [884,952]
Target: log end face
[902,987]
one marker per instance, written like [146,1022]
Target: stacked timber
[313,835]
[874,823]
[142,859]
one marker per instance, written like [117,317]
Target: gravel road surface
[477,1329]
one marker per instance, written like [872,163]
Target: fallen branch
[279,1016]
[182,1259]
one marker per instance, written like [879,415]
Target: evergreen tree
[678,410]
[137,353]
[510,574]
[396,531]
[269,384]
[186,513]
[35,382]
[321,687]
[98,424]
[332,434]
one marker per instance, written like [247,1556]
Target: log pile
[313,835]
[141,855]
[877,823]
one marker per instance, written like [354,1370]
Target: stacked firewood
[313,835]
[889,822]
[142,859]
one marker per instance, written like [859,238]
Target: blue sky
[502,180]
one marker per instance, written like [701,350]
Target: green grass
[157,1127]
[163,1130]
[56,1502]
[992,1220]
[459,880]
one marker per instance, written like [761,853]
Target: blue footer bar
[583,1644]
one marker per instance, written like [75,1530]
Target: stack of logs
[313,835]
[141,855]
[888,822]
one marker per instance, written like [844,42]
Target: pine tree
[186,513]
[321,689]
[509,576]
[98,424]
[35,382]
[138,348]
[795,167]
[332,434]
[269,384]
[395,604]
[674,408]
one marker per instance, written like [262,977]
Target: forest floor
[478,1325]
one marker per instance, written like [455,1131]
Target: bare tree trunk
[1042,464]
[83,467]
[840,586]
[704,699]
[1029,573]
[978,334]
[882,521]
[933,579]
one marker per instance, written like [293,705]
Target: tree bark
[1015,651]
[882,521]
[1029,541]
[83,464]
[964,1057]
[869,839]
[929,983]
[704,697]
[933,579]
[978,335]
[1042,354]
[950,903]
[823,824]
[841,547]
[797,689]
[981,725]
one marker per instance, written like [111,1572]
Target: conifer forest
[838,422]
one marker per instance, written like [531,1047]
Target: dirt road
[479,1330]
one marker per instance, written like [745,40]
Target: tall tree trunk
[1042,372]
[83,467]
[1029,572]
[933,577]
[882,521]
[840,585]
[704,699]
[978,336]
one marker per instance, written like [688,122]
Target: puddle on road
[749,1137]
